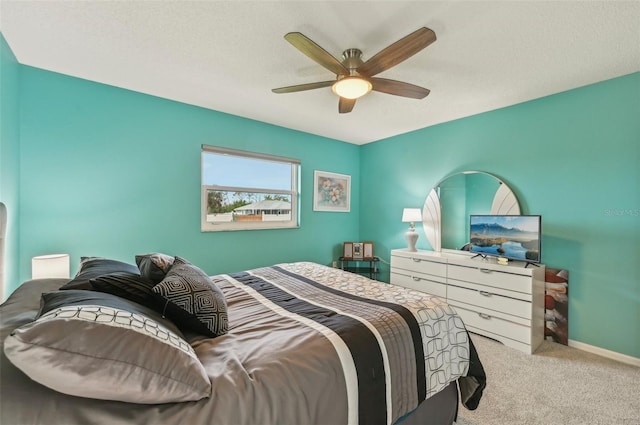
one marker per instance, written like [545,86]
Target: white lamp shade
[411,215]
[48,266]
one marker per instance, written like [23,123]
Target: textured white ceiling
[227,56]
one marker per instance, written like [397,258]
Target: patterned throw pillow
[96,345]
[154,266]
[192,300]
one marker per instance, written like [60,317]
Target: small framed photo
[367,250]
[357,251]
[331,192]
[347,250]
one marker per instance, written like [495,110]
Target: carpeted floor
[557,385]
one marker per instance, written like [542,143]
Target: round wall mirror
[446,211]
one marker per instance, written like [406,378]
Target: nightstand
[367,267]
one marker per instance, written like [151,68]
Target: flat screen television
[517,237]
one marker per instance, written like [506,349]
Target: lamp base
[412,238]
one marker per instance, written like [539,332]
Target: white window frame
[293,222]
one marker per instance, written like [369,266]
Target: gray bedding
[307,344]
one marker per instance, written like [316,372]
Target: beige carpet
[557,385]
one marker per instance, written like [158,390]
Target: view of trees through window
[244,190]
[219,202]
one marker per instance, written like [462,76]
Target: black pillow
[154,266]
[92,267]
[192,300]
[53,300]
[126,285]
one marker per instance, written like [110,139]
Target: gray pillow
[154,266]
[192,301]
[107,350]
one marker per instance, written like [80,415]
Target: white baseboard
[633,361]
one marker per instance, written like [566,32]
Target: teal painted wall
[110,172]
[574,158]
[9,158]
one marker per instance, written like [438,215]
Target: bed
[293,343]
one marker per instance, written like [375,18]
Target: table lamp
[411,215]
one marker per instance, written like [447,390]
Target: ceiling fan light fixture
[351,87]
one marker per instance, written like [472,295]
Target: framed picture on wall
[331,192]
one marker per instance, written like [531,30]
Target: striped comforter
[385,348]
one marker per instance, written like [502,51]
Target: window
[245,190]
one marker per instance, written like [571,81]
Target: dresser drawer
[418,264]
[498,279]
[419,282]
[491,290]
[490,301]
[478,322]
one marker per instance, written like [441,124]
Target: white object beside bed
[50,266]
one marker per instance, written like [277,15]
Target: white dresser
[505,303]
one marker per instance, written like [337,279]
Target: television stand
[503,302]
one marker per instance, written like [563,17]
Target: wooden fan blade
[315,52]
[399,51]
[302,87]
[346,105]
[398,88]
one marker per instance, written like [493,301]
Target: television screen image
[516,237]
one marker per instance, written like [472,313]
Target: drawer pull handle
[485,293]
[485,270]
[416,260]
[416,279]
[484,316]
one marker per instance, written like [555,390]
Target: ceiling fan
[354,77]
